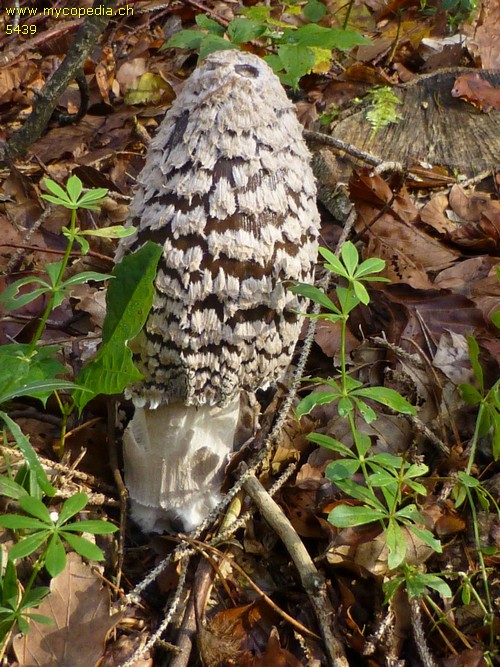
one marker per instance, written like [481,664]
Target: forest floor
[421,587]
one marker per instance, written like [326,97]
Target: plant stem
[64,263]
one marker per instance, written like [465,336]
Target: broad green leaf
[91,198]
[341,469]
[308,403]
[36,508]
[206,23]
[387,460]
[314,10]
[470,394]
[85,277]
[427,537]
[40,390]
[94,526]
[112,232]
[361,292]
[334,262]
[346,516]
[11,489]
[328,38]
[74,187]
[367,412]
[56,190]
[242,30]
[370,265]
[186,39]
[84,547]
[345,406]
[297,60]
[330,443]
[396,543]
[314,294]
[9,582]
[350,257]
[33,597]
[29,454]
[28,545]
[387,397]
[21,522]
[128,302]
[72,506]
[212,43]
[55,556]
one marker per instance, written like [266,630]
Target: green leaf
[361,292]
[470,394]
[308,403]
[387,397]
[9,582]
[41,390]
[29,454]
[72,506]
[206,23]
[297,61]
[20,522]
[350,257]
[396,544]
[35,596]
[11,489]
[56,190]
[92,197]
[342,469]
[212,43]
[474,360]
[112,232]
[368,413]
[28,544]
[55,556]
[346,516]
[314,294]
[74,187]
[85,277]
[242,30]
[94,526]
[36,508]
[314,10]
[345,406]
[427,537]
[370,265]
[84,547]
[468,480]
[391,586]
[128,302]
[495,318]
[330,443]
[328,38]
[186,39]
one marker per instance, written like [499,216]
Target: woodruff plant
[390,482]
[33,370]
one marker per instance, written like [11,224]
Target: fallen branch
[312,581]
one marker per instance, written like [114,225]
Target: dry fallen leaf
[79,609]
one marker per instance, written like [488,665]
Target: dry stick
[199,593]
[312,581]
[122,489]
[35,124]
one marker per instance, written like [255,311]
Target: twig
[298,626]
[419,634]
[35,124]
[312,581]
[122,489]
[327,140]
